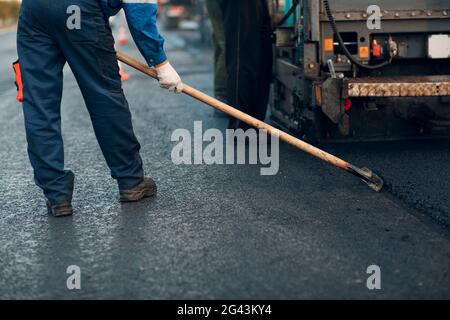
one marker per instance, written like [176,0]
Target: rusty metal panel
[314,17]
[361,5]
[428,86]
[288,74]
[331,99]
[285,37]
[397,15]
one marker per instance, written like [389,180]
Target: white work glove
[169,78]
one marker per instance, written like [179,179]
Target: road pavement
[222,231]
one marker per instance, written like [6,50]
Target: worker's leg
[266,63]
[92,58]
[41,66]
[220,72]
[243,49]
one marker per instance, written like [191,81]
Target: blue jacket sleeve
[141,17]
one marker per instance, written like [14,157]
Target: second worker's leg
[266,64]
[220,71]
[242,29]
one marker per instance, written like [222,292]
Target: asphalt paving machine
[362,70]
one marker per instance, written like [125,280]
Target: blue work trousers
[48,37]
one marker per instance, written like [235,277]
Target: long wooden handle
[235,113]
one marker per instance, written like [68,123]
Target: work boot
[63,209]
[147,188]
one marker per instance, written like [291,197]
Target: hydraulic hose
[347,53]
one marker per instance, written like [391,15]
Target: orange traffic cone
[123,36]
[124,76]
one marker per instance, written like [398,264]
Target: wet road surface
[218,231]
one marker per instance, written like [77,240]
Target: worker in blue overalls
[46,41]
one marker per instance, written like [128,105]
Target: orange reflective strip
[19,82]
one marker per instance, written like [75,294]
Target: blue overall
[45,44]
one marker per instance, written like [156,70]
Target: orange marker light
[377,50]
[364,52]
[329,45]
[318,92]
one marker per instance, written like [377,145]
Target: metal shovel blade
[368,176]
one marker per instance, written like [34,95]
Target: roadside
[9,11]
[7,29]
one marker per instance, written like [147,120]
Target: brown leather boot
[147,188]
[63,209]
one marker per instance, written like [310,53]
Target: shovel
[366,175]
